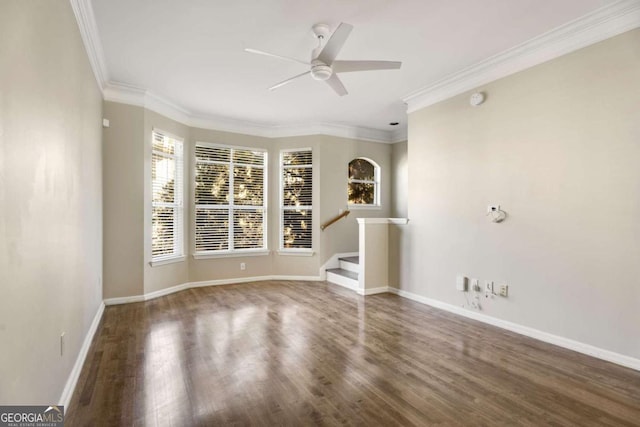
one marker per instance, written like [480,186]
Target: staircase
[347,274]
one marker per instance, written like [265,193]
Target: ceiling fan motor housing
[320,70]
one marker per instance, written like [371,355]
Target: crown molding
[86,20]
[399,135]
[601,24]
[132,95]
[333,129]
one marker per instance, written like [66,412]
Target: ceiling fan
[324,66]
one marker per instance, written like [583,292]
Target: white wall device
[476,99]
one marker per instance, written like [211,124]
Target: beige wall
[557,146]
[50,198]
[374,256]
[399,205]
[128,203]
[336,153]
[123,163]
[399,179]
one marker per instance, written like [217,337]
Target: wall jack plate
[504,290]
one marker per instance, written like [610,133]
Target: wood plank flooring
[302,353]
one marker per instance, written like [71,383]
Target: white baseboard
[70,386]
[189,285]
[303,278]
[567,343]
[373,291]
[220,282]
[166,291]
[343,281]
[123,300]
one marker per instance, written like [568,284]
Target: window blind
[167,197]
[230,202]
[296,225]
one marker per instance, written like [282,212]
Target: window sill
[364,207]
[231,254]
[164,261]
[296,253]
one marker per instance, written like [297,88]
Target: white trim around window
[167,198]
[296,202]
[375,183]
[230,201]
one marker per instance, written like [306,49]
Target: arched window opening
[364,182]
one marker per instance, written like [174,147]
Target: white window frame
[281,249]
[375,182]
[177,205]
[232,252]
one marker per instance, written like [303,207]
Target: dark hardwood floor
[301,353]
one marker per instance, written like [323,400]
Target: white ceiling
[190,52]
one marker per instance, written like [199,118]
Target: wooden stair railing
[334,219]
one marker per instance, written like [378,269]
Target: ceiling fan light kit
[320,71]
[323,65]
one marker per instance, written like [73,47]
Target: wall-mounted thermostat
[476,99]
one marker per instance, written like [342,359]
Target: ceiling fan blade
[289,80]
[335,43]
[336,84]
[286,58]
[348,66]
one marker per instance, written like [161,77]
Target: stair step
[342,277]
[350,263]
[342,272]
[351,259]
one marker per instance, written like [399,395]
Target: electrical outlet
[475,285]
[504,290]
[243,266]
